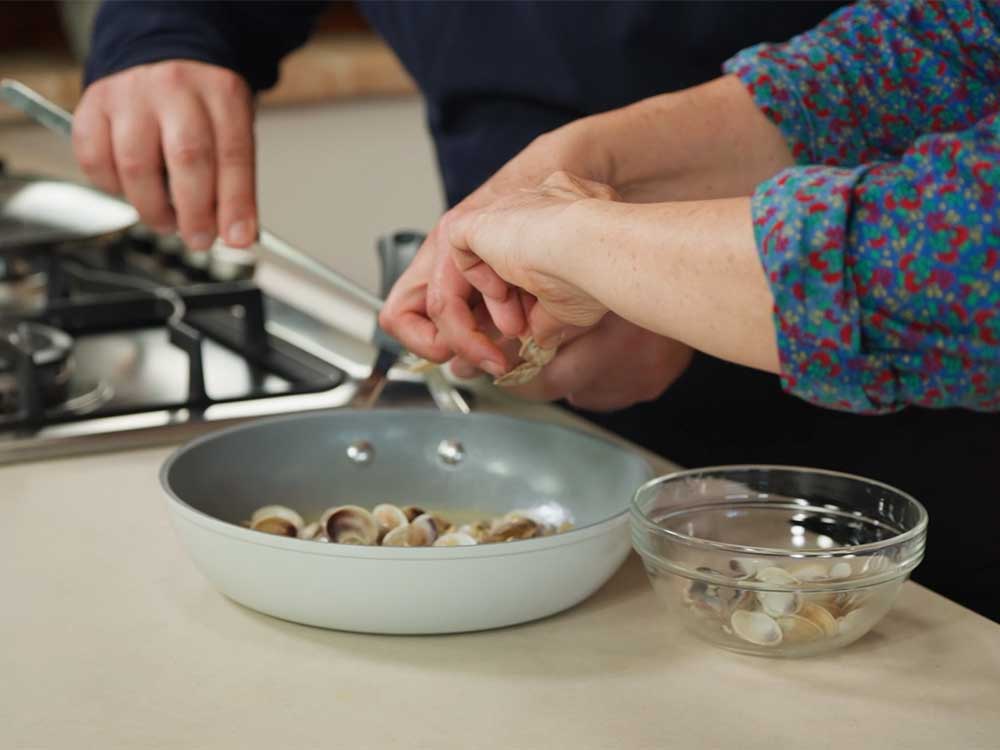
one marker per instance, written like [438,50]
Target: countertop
[111,639]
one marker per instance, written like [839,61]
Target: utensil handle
[60,121]
[37,107]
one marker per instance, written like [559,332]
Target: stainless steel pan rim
[226,528]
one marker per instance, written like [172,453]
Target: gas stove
[140,341]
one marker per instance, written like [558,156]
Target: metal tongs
[395,253]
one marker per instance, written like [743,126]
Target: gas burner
[35,362]
[83,397]
[23,285]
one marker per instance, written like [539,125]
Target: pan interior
[303,462]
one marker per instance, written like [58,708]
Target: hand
[611,366]
[525,241]
[430,308]
[192,120]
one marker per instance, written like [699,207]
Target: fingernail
[200,241]
[493,368]
[165,229]
[240,233]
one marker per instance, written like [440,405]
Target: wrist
[588,236]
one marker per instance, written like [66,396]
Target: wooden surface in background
[344,59]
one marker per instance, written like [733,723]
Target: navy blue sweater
[495,75]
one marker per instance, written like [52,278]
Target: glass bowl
[776,560]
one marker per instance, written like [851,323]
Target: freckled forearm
[708,141]
[688,270]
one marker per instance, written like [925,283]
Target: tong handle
[395,253]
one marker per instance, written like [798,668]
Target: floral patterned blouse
[883,246]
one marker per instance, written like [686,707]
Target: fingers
[191,120]
[501,298]
[428,311]
[188,149]
[92,143]
[229,106]
[404,315]
[448,305]
[136,152]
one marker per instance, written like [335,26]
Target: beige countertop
[111,639]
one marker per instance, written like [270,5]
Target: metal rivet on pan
[361,452]
[451,452]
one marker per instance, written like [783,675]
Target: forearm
[689,271]
[709,141]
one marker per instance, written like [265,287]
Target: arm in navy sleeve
[249,38]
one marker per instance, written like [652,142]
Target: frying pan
[459,465]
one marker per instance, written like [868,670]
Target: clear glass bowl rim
[919,529]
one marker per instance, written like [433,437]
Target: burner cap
[47,345]
[50,350]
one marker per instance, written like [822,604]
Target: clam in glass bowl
[776,560]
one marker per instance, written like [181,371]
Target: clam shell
[397,537]
[535,358]
[411,512]
[276,519]
[795,629]
[531,352]
[821,618]
[776,575]
[521,375]
[311,531]
[421,532]
[779,603]
[744,567]
[853,622]
[840,570]
[507,531]
[703,596]
[351,524]
[454,539]
[479,530]
[756,627]
[442,524]
[388,517]
[276,526]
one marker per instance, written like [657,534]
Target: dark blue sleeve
[247,37]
